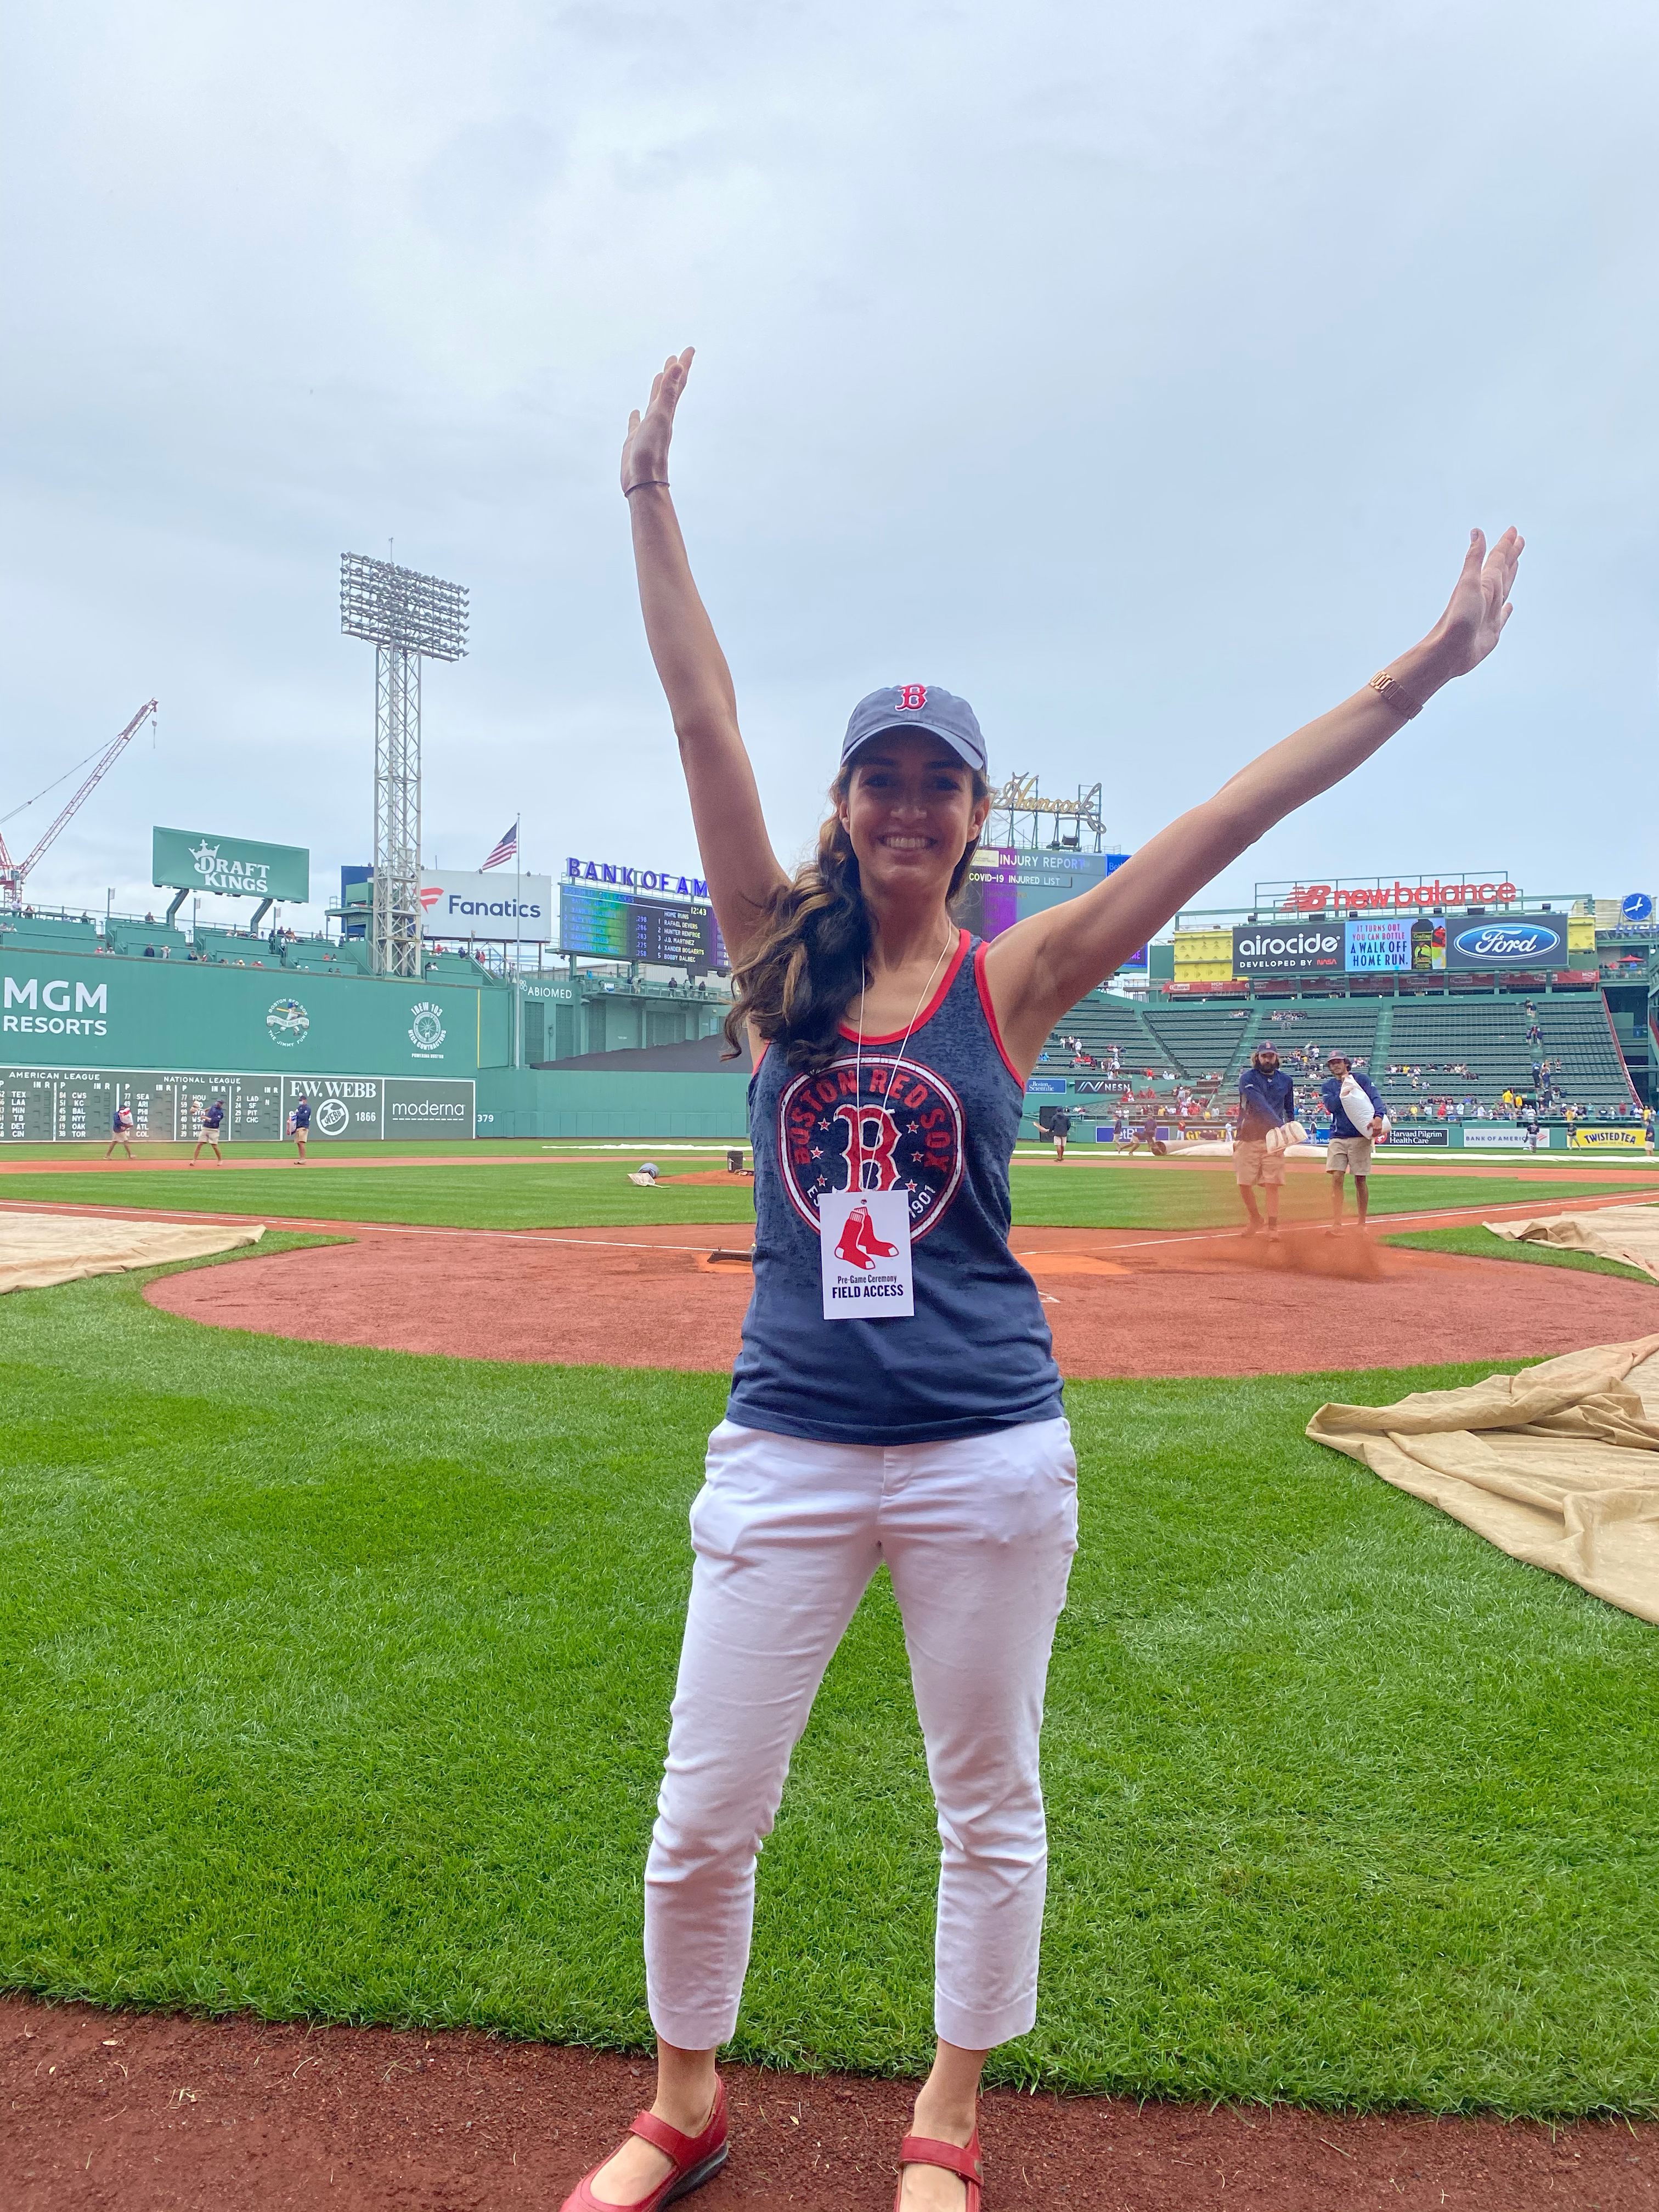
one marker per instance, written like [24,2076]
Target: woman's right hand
[645,449]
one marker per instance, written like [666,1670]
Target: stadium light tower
[407,619]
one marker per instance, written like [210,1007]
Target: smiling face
[910,812]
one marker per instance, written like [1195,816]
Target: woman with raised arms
[896,1400]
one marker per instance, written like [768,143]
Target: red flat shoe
[927,2150]
[696,2158]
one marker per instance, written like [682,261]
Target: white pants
[977,1536]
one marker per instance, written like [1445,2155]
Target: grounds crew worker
[1060,1127]
[1349,1150]
[1267,1100]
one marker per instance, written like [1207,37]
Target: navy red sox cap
[916,707]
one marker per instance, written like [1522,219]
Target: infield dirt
[1122,1302]
[117,2112]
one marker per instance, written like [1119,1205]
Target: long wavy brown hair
[807,961]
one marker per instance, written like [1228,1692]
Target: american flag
[506,849]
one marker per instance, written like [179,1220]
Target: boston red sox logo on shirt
[904,1122]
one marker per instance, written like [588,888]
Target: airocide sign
[1300,949]
[235,868]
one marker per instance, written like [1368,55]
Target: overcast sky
[1136,372]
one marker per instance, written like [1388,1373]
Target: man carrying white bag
[1357,1118]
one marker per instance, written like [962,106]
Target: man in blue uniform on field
[213,1121]
[1349,1151]
[1267,1100]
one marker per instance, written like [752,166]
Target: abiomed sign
[235,868]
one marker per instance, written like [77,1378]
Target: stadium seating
[50,933]
[1201,1040]
[1488,1036]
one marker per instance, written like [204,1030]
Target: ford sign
[1528,942]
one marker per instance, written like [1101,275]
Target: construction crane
[14,874]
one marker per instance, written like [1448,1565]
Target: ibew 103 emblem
[426,1029]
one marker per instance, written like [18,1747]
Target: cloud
[1137,372]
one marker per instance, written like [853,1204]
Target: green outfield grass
[1479,1243]
[335,1686]
[561,1193]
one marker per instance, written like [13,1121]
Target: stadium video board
[1006,882]
[614,925]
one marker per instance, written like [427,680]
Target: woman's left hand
[1479,604]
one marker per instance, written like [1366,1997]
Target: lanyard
[855,1182]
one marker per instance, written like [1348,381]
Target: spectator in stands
[149,954]
[1267,1100]
[1349,1149]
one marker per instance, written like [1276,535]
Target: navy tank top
[976,1355]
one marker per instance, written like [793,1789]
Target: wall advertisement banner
[236,867]
[75,1009]
[1533,941]
[498,905]
[1615,1137]
[1045,1086]
[69,1105]
[1503,1137]
[1419,1140]
[1310,948]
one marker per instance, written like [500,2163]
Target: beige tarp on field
[39,1250]
[1630,1233]
[1557,1465]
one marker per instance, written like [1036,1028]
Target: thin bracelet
[1396,701]
[644,484]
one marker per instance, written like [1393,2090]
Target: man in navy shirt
[213,1121]
[1349,1151]
[1267,1100]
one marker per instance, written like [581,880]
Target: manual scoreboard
[44,1106]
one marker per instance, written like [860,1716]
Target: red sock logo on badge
[855,1229]
[873,1247]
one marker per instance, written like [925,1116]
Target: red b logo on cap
[913,696]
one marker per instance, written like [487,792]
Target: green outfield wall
[378,1059]
[66,1010]
[530,1103]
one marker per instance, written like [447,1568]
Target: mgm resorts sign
[1302,948]
[235,868]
